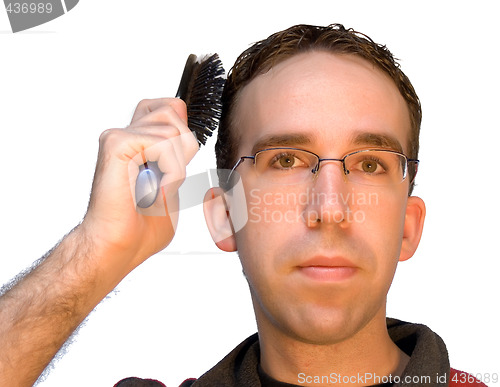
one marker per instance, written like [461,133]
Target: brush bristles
[203,97]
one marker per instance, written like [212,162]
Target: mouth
[328,269]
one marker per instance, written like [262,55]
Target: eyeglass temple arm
[416,163]
[242,158]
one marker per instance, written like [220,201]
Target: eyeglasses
[374,167]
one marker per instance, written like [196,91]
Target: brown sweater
[428,365]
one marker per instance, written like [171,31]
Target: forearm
[42,310]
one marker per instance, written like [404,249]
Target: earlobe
[413,227]
[218,220]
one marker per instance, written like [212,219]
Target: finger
[169,154]
[164,114]
[147,106]
[186,143]
[169,165]
[170,112]
[172,147]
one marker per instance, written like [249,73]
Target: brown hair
[335,38]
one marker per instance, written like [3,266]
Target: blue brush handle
[147,185]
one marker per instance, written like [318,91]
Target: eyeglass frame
[316,168]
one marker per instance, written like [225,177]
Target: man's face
[320,255]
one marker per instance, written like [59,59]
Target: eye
[287,160]
[369,166]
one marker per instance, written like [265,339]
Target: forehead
[329,99]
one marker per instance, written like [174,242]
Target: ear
[218,221]
[413,226]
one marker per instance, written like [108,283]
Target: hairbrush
[200,88]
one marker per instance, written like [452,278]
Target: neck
[363,359]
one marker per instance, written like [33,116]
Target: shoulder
[188,382]
[464,379]
[138,382]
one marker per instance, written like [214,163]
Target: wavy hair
[335,38]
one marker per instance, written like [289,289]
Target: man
[321,128]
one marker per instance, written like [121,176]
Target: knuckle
[177,102]
[112,139]
[143,103]
[167,144]
[172,131]
[166,111]
[173,108]
[107,135]
[164,132]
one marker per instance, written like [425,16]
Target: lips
[328,262]
[328,269]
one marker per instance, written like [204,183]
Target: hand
[158,132]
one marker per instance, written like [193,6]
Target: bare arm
[40,312]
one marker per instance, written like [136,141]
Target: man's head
[319,252]
[262,56]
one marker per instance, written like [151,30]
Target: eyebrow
[379,140]
[295,139]
[290,139]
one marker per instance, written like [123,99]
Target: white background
[65,82]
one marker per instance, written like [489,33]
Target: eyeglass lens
[368,167]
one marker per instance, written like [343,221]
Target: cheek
[383,223]
[272,219]
[271,212]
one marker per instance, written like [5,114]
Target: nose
[329,197]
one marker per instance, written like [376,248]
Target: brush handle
[147,185]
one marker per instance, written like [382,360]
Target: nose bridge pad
[317,169]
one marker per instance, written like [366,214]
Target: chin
[323,328]
[327,326]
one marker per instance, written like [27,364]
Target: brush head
[201,89]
